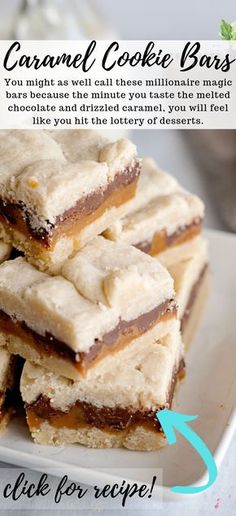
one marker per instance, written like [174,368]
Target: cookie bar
[162,218]
[60,189]
[8,364]
[191,280]
[117,406]
[109,293]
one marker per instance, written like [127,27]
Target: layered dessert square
[191,286]
[114,408]
[108,294]
[60,189]
[8,380]
[163,218]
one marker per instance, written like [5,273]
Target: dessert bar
[60,189]
[114,408]
[109,293]
[163,217]
[191,285]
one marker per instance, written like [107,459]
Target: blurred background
[203,161]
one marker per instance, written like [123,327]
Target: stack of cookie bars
[110,271]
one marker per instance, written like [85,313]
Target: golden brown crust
[137,438]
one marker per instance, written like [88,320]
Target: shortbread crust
[190,279]
[179,253]
[88,312]
[122,395]
[186,274]
[162,215]
[53,199]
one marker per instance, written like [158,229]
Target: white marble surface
[182,19]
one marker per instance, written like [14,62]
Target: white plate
[209,391]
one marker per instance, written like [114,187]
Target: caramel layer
[86,211]
[161,241]
[112,341]
[81,414]
[192,298]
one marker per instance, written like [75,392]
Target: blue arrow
[171,421]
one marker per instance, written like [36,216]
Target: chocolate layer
[9,403]
[10,398]
[122,334]
[161,241]
[106,418]
[192,298]
[19,216]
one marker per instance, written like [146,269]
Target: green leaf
[233,25]
[225,30]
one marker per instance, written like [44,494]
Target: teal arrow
[172,421]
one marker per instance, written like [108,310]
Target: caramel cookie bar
[190,280]
[162,217]
[60,189]
[117,406]
[108,294]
